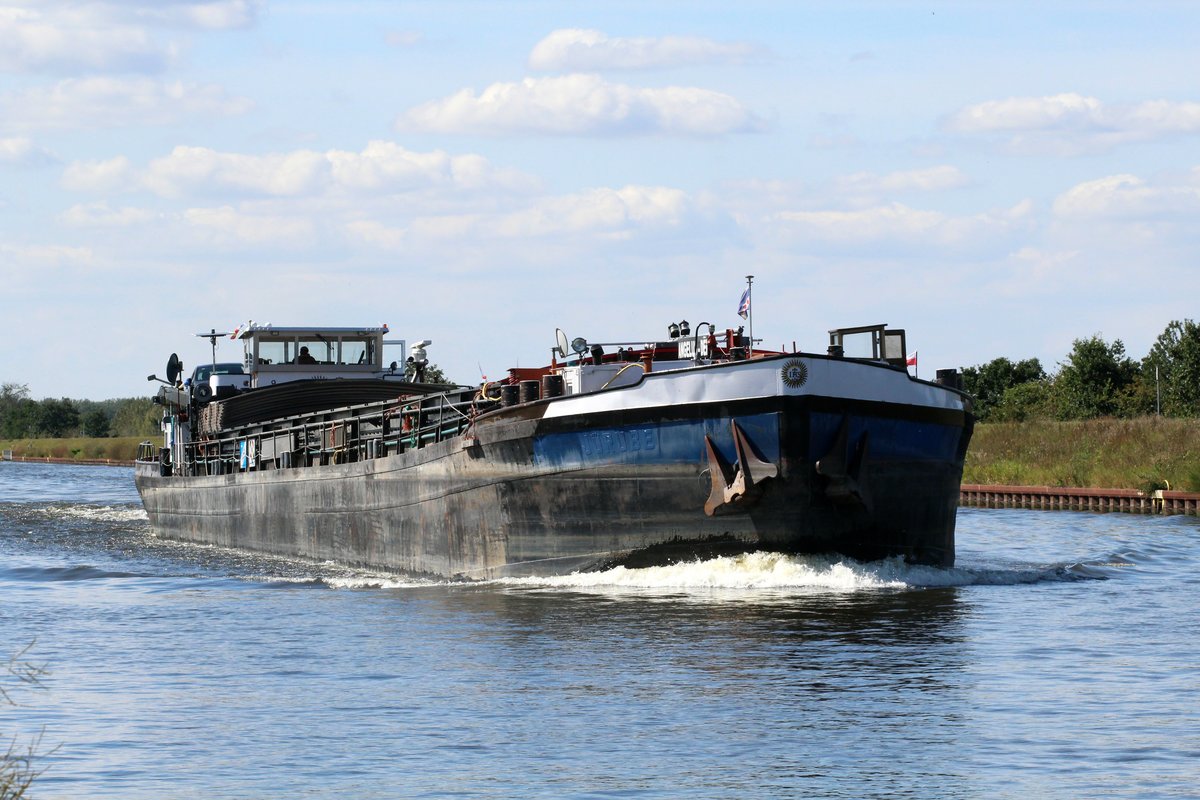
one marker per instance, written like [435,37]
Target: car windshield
[202,372]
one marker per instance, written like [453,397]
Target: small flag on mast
[744,305]
[912,359]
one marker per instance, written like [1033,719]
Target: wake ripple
[81,572]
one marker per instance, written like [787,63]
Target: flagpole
[750,312]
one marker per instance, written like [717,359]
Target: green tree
[988,382]
[1024,401]
[434,374]
[1095,380]
[57,418]
[13,398]
[95,424]
[136,416]
[1176,356]
[18,414]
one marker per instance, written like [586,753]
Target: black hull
[531,494]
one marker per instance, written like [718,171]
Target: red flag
[912,359]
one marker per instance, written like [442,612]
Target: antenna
[750,312]
[212,336]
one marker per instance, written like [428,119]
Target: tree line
[1097,379]
[24,418]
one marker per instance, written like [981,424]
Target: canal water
[1060,658]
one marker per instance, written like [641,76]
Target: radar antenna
[212,337]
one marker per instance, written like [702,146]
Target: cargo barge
[614,453]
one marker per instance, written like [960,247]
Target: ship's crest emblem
[794,373]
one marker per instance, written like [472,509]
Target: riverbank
[1145,454]
[1058,498]
[78,450]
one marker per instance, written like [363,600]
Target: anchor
[735,486]
[847,480]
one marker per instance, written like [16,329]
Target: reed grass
[119,448]
[1144,453]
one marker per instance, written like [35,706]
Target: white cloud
[579,50]
[23,152]
[98,36]
[603,214]
[45,255]
[100,102]
[616,212]
[386,166]
[901,224]
[381,167]
[99,215]
[1029,113]
[1072,123]
[97,176]
[932,179]
[189,170]
[376,234]
[76,39]
[1129,197]
[582,104]
[207,15]
[226,225]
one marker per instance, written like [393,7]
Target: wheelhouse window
[316,350]
[862,344]
[313,351]
[275,351]
[358,351]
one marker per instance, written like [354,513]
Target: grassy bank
[1146,453]
[121,448]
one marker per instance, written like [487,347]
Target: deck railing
[339,437]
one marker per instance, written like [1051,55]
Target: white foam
[778,572]
[105,513]
[747,571]
[376,582]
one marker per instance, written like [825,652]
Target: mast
[212,338]
[750,312]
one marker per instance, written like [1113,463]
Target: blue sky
[997,178]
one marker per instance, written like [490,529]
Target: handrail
[621,370]
[367,434]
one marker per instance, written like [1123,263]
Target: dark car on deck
[217,381]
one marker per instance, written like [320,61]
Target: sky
[998,179]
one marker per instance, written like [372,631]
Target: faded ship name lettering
[609,443]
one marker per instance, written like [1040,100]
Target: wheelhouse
[280,355]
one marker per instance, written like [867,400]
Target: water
[1058,659]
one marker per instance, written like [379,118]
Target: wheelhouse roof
[276,330]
